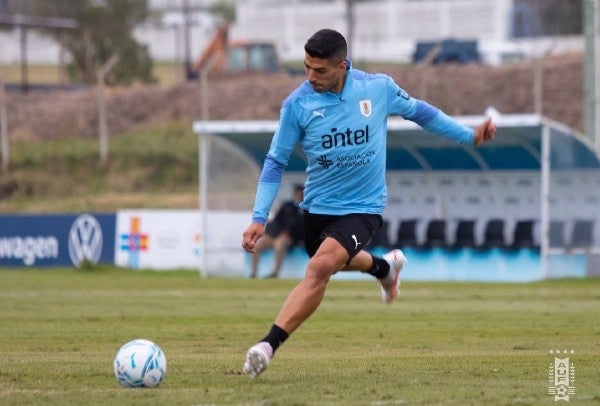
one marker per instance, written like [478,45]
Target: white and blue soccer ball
[140,364]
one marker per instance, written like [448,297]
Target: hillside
[457,89]
[38,118]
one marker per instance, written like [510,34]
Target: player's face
[325,74]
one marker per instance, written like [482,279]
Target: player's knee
[321,268]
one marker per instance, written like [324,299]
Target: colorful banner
[172,239]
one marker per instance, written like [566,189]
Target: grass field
[154,167]
[440,343]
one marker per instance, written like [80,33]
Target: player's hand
[251,235]
[484,132]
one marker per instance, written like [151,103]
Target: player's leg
[302,301]
[362,261]
[333,243]
[327,257]
[390,284]
[307,295]
[386,270]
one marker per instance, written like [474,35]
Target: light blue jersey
[344,139]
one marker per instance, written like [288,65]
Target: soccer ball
[140,364]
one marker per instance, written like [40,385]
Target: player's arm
[281,148]
[282,145]
[266,190]
[445,125]
[436,121]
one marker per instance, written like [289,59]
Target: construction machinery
[224,57]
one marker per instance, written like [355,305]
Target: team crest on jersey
[365,107]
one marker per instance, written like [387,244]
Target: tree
[223,10]
[104,29]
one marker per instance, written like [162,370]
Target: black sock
[380,268]
[276,337]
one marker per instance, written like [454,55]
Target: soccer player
[339,118]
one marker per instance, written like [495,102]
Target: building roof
[517,145]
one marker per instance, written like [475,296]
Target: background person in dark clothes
[282,232]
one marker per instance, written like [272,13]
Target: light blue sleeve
[436,121]
[282,145]
[427,116]
[268,186]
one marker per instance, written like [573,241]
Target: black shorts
[352,231]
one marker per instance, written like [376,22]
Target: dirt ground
[457,89]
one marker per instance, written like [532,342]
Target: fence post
[102,128]
[4,142]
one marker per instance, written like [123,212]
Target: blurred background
[98,100]
[65,33]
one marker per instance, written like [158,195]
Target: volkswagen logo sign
[85,240]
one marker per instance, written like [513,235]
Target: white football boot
[390,285]
[257,359]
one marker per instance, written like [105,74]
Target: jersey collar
[348,81]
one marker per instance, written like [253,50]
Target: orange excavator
[224,57]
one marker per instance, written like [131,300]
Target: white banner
[172,239]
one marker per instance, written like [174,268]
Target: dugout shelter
[524,207]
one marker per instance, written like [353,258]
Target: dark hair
[326,44]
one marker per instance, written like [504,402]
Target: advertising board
[56,240]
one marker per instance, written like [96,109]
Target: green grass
[441,343]
[67,175]
[154,167]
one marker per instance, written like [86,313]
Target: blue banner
[56,240]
